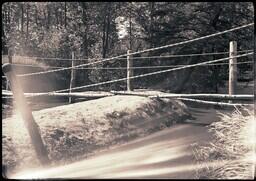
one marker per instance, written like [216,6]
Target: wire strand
[142,67]
[166,56]
[148,67]
[148,74]
[75,67]
[142,51]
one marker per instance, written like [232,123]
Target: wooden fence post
[129,71]
[232,68]
[10,54]
[72,78]
[7,85]
[27,115]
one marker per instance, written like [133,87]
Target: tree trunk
[108,29]
[181,85]
[103,36]
[85,38]
[85,41]
[60,20]
[27,22]
[152,5]
[65,15]
[215,67]
[48,17]
[45,18]
[151,39]
[130,28]
[5,16]
[22,17]
[36,17]
[4,46]
[216,18]
[57,17]
[9,15]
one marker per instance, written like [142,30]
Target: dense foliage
[107,29]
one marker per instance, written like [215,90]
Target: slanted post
[72,78]
[26,113]
[129,71]
[232,67]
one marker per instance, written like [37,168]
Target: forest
[98,30]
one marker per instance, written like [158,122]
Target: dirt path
[165,154]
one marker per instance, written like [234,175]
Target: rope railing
[149,74]
[111,68]
[187,55]
[142,51]
[246,62]
[148,57]
[143,75]
[141,67]
[192,40]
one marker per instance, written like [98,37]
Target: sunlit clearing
[111,173]
[109,163]
[155,151]
[157,171]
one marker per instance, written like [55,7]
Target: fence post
[10,54]
[26,113]
[129,71]
[232,67]
[7,84]
[72,78]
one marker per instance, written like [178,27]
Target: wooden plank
[144,93]
[203,96]
[73,94]
[214,103]
[171,95]
[89,94]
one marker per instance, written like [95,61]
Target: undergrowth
[230,153]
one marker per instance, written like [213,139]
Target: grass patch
[230,154]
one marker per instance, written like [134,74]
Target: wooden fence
[231,88]
[16,59]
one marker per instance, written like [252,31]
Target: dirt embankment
[73,132]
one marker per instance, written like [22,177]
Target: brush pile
[230,155]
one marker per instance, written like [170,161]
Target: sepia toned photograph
[128,90]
